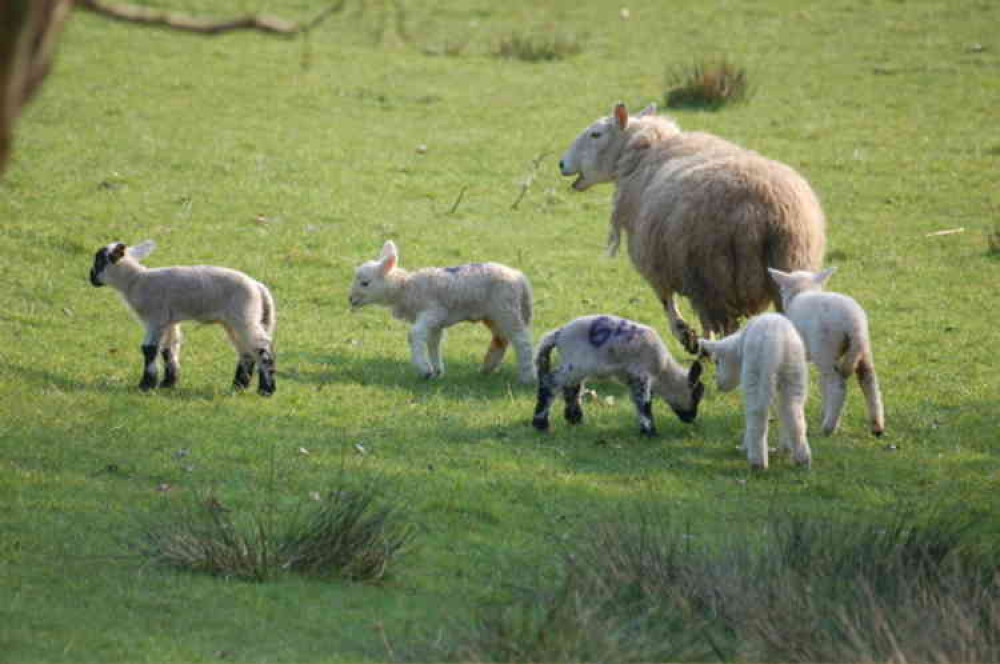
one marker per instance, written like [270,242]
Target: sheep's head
[592,157]
[791,284]
[728,358]
[110,255]
[687,409]
[370,283]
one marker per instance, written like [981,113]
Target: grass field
[295,160]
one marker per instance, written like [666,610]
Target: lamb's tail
[268,314]
[527,298]
[853,354]
[543,354]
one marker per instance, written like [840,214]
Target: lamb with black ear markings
[614,347]
[834,328]
[434,298]
[164,297]
[767,357]
[703,216]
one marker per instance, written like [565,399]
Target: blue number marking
[604,328]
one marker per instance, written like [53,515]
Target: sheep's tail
[268,314]
[543,355]
[853,354]
[527,297]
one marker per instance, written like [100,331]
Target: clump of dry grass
[708,84]
[539,46]
[345,534]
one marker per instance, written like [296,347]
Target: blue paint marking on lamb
[607,328]
[455,269]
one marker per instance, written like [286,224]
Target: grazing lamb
[619,348]
[434,298]
[704,217]
[834,328]
[766,357]
[163,297]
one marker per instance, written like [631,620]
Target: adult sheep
[704,217]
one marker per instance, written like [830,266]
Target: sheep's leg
[497,349]
[434,337]
[547,386]
[758,391]
[678,326]
[265,381]
[791,410]
[171,354]
[834,392]
[244,371]
[525,361]
[420,333]
[639,390]
[873,396]
[573,412]
[150,349]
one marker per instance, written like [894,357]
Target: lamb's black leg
[639,389]
[149,368]
[545,397]
[170,369]
[244,372]
[266,384]
[573,411]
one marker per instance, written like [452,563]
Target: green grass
[231,151]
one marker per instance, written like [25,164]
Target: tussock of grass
[345,534]
[539,47]
[709,84]
[803,590]
[993,241]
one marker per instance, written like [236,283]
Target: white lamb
[834,328]
[163,297]
[615,347]
[434,298]
[769,359]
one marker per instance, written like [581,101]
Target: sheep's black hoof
[170,380]
[540,423]
[266,392]
[573,415]
[648,432]
[147,383]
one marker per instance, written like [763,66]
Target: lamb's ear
[117,252]
[649,110]
[694,374]
[778,276]
[388,257]
[620,115]
[708,347]
[821,277]
[142,249]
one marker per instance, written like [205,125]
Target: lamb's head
[728,358]
[593,156]
[371,285]
[791,284]
[110,255]
[685,403]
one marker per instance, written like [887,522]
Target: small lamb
[434,298]
[163,297]
[766,356]
[834,328]
[614,347]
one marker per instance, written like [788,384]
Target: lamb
[434,298]
[164,297]
[834,328]
[769,359]
[704,217]
[604,345]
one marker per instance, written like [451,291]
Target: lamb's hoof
[574,416]
[878,433]
[169,382]
[649,432]
[147,383]
[540,423]
[265,392]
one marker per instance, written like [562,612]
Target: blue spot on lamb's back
[456,269]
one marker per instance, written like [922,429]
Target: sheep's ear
[649,110]
[694,374]
[388,257]
[620,115]
[142,249]
[117,252]
[778,276]
[821,277]
[708,347]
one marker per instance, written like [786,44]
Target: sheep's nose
[562,165]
